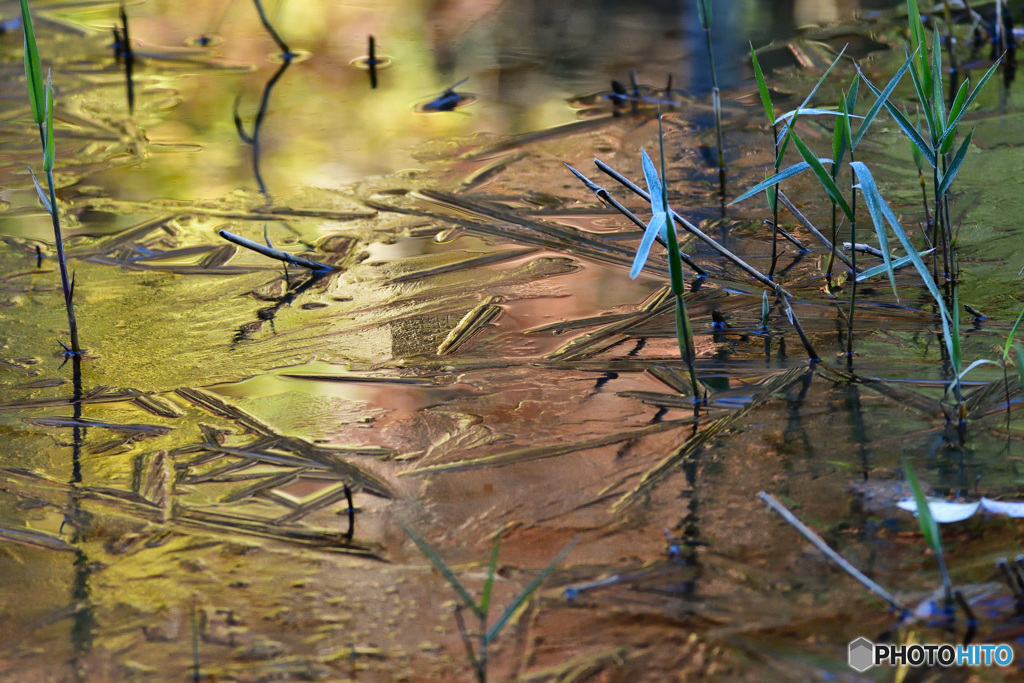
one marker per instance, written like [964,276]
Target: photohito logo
[864,654]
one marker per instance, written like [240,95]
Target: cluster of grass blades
[933,145]
[477,652]
[40,96]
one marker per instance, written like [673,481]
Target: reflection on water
[243,439]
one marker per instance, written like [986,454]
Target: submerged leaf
[445,571]
[943,511]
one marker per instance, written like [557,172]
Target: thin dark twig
[841,561]
[614,203]
[274,253]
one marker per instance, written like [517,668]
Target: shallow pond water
[478,362]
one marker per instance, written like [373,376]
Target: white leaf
[943,511]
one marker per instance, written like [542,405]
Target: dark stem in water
[254,139]
[286,51]
[67,282]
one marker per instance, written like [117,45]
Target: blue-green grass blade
[654,187]
[880,101]
[823,176]
[764,309]
[446,572]
[946,141]
[42,194]
[958,159]
[955,119]
[762,87]
[656,226]
[871,198]
[975,364]
[782,175]
[906,126]
[492,567]
[929,528]
[33,69]
[530,589]
[851,98]
[882,268]
[916,259]
[1009,340]
[48,147]
[803,105]
[811,112]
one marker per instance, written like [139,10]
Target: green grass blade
[762,87]
[882,268]
[527,593]
[839,136]
[33,69]
[704,12]
[929,528]
[1009,340]
[959,101]
[48,147]
[492,567]
[773,194]
[851,99]
[880,101]
[871,198]
[446,572]
[823,176]
[916,27]
[954,166]
[938,98]
[771,181]
[1019,350]
[953,120]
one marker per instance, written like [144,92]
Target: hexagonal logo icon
[862,654]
